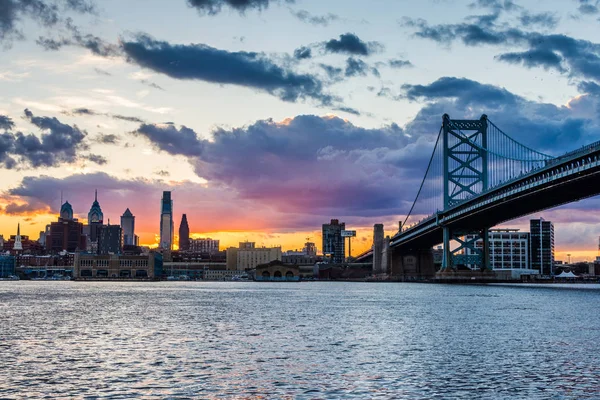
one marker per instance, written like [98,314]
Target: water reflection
[302,340]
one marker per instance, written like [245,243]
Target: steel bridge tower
[465,174]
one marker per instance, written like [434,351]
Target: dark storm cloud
[302,53]
[349,43]
[542,126]
[174,141]
[309,18]
[6,123]
[213,7]
[47,14]
[59,144]
[202,62]
[575,57]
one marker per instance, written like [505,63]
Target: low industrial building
[277,271]
[90,266]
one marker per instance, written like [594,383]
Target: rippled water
[297,340]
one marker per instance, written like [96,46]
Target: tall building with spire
[66,211]
[18,246]
[128,226]
[95,222]
[166,222]
[66,234]
[184,234]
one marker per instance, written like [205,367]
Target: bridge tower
[465,168]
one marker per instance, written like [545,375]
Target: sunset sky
[267,118]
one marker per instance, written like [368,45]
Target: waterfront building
[508,251]
[204,245]
[166,222]
[277,271]
[7,266]
[247,256]
[298,258]
[184,234]
[66,234]
[128,227]
[198,270]
[90,266]
[333,242]
[542,245]
[110,239]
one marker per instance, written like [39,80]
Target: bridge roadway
[568,178]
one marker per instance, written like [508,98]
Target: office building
[1,242]
[95,221]
[333,242]
[248,256]
[508,250]
[204,245]
[128,227]
[110,239]
[166,222]
[66,234]
[184,234]
[7,265]
[541,245]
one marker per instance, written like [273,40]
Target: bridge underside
[560,191]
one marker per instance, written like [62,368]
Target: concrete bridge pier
[414,264]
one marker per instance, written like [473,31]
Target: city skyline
[334,119]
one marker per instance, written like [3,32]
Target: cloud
[102,72]
[174,141]
[349,43]
[309,18]
[107,138]
[545,19]
[6,123]
[96,158]
[588,7]
[89,112]
[396,63]
[74,37]
[59,144]
[205,63]
[302,53]
[578,58]
[47,14]
[357,67]
[213,7]
[496,5]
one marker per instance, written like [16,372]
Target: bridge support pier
[414,264]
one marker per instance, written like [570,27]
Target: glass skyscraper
[333,242]
[166,222]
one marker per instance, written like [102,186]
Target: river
[322,340]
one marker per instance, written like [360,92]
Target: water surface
[297,340]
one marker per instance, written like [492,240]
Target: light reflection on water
[300,340]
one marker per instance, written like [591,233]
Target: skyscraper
[95,222]
[166,222]
[333,242]
[128,226]
[541,245]
[184,234]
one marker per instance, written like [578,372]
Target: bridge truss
[474,156]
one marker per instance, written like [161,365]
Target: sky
[267,118]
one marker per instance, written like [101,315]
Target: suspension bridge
[478,177]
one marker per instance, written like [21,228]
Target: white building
[508,249]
